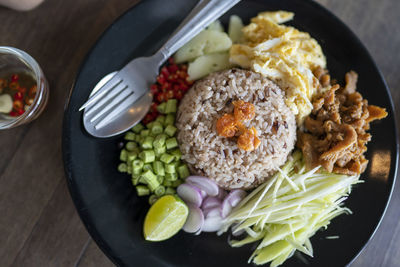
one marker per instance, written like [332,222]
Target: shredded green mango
[286,211]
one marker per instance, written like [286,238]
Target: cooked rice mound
[218,157]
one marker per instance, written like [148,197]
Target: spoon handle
[205,12]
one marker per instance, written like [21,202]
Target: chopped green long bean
[142,190]
[137,128]
[154,172]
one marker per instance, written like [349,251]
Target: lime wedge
[165,218]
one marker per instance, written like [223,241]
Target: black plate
[105,199]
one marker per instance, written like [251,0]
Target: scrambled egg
[285,55]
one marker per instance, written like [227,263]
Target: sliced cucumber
[206,64]
[216,26]
[206,42]
[235,29]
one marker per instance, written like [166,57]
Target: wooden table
[38,222]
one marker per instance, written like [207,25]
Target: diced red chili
[15,85]
[160,79]
[160,97]
[153,107]
[165,86]
[178,95]
[14,78]
[18,96]
[173,68]
[172,82]
[164,71]
[154,89]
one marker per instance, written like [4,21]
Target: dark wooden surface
[38,222]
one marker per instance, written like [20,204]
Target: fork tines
[112,98]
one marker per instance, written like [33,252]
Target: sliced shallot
[194,221]
[235,196]
[222,194]
[211,202]
[212,212]
[206,184]
[190,194]
[212,224]
[203,194]
[226,208]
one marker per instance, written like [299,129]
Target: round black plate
[105,199]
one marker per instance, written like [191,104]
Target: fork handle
[205,12]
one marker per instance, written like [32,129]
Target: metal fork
[119,94]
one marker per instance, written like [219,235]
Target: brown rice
[219,158]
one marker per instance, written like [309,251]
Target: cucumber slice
[235,29]
[206,64]
[206,42]
[216,26]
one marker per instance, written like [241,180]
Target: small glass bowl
[14,59]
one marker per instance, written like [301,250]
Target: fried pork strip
[335,132]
